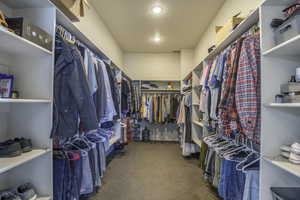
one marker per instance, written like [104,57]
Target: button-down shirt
[248,87]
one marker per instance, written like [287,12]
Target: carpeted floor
[154,172]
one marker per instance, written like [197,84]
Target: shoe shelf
[7,164]
[12,44]
[288,48]
[284,164]
[25,100]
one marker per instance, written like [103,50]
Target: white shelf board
[284,164]
[29,4]
[288,48]
[7,164]
[198,123]
[197,141]
[43,198]
[3,100]
[252,19]
[12,44]
[283,105]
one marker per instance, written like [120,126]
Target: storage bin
[289,87]
[284,193]
[287,30]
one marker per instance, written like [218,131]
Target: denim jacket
[72,98]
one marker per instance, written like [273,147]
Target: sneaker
[296,148]
[9,196]
[10,149]
[26,192]
[26,144]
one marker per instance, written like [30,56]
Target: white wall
[230,8]
[153,66]
[95,29]
[186,61]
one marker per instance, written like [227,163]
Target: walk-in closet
[149,100]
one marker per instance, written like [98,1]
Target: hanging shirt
[247,92]
[228,116]
[92,80]
[110,110]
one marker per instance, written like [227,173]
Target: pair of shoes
[23,192]
[13,148]
[291,152]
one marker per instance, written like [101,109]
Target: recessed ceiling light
[157,10]
[157,39]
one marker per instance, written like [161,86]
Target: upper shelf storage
[12,44]
[288,48]
[251,20]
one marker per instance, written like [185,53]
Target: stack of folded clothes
[13,148]
[23,192]
[291,152]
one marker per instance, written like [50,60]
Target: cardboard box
[65,6]
[224,31]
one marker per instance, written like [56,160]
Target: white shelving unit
[31,115]
[280,121]
[197,126]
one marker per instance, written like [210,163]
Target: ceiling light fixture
[157,39]
[157,10]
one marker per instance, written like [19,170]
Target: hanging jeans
[87,186]
[232,182]
[59,166]
[251,191]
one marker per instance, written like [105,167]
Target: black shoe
[26,144]
[10,149]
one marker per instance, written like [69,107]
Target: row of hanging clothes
[184,121]
[230,96]
[158,116]
[79,164]
[86,107]
[231,167]
[157,107]
[230,103]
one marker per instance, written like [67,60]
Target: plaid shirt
[247,93]
[228,115]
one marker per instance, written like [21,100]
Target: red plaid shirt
[228,115]
[247,93]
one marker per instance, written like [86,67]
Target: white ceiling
[134,26]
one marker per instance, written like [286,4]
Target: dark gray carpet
[154,172]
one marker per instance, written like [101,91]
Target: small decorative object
[279,98]
[6,85]
[15,94]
